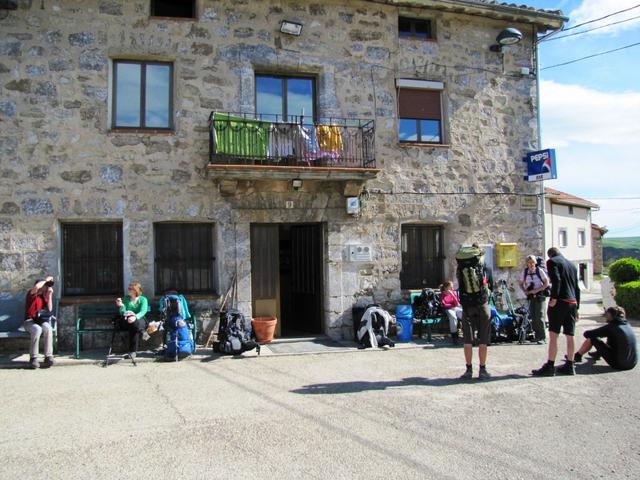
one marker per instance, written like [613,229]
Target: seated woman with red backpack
[37,321]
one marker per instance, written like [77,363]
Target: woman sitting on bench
[133,309]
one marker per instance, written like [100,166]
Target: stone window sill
[175,19]
[145,131]
[419,39]
[424,145]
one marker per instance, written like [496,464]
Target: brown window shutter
[420,104]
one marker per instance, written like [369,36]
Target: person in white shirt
[534,282]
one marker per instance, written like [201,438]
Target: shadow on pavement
[362,386]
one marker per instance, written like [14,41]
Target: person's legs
[585,347]
[453,321]
[47,332]
[35,331]
[606,352]
[571,346]
[482,355]
[467,333]
[553,347]
[468,354]
[535,311]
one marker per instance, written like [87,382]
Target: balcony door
[285,99]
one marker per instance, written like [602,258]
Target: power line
[590,30]
[587,22]
[591,56]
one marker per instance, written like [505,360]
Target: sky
[590,110]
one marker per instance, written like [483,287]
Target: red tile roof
[556,196]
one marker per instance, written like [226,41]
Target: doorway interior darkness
[287,275]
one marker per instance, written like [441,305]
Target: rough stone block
[7,108]
[93,59]
[76,176]
[81,39]
[11,262]
[32,207]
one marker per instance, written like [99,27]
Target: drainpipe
[542,199]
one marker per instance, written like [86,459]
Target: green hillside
[615,248]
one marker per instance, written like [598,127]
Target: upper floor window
[562,238]
[184,257]
[92,258]
[415,28]
[173,8]
[582,238]
[570,209]
[142,94]
[420,115]
[287,97]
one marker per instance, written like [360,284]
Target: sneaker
[483,374]
[567,369]
[34,363]
[595,355]
[467,375]
[541,341]
[48,362]
[547,370]
[577,358]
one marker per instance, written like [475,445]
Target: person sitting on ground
[451,306]
[37,321]
[620,350]
[534,282]
[133,309]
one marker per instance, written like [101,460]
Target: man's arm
[554,277]
[578,292]
[603,331]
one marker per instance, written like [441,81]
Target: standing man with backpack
[562,312]
[474,298]
[534,282]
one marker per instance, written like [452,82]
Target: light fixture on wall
[296,183]
[291,28]
[508,36]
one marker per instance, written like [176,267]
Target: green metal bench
[94,311]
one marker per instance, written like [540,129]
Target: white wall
[557,217]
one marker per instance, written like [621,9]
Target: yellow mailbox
[506,255]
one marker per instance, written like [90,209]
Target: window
[173,8]
[287,97]
[570,209]
[582,238]
[142,94]
[92,259]
[422,257]
[184,259]
[420,116]
[415,28]
[562,238]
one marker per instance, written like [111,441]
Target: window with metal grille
[415,28]
[420,116]
[422,257]
[173,8]
[184,259]
[92,259]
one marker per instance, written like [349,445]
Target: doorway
[287,276]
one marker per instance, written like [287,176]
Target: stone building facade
[64,163]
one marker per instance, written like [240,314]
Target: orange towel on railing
[329,138]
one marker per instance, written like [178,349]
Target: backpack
[234,333]
[376,323]
[472,276]
[175,312]
[427,305]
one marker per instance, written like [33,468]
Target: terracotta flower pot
[264,328]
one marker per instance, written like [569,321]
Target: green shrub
[628,297]
[625,270]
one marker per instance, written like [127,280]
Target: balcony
[258,147]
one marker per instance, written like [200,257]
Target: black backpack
[472,277]
[427,305]
[234,334]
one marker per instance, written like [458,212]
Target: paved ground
[363,414]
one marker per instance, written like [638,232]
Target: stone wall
[62,162]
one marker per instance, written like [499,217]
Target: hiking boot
[34,363]
[567,369]
[595,355]
[547,370]
[467,375]
[577,358]
[48,362]
[483,374]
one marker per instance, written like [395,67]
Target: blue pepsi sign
[541,165]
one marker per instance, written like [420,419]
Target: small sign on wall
[529,202]
[360,253]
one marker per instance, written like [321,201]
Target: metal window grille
[184,258]
[92,259]
[422,257]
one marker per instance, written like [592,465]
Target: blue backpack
[175,312]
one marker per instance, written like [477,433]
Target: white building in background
[568,227]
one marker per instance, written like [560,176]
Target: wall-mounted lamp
[296,183]
[291,28]
[508,36]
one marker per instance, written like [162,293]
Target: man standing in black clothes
[562,312]
[620,351]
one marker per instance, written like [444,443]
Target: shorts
[563,316]
[476,318]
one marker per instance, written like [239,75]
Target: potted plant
[264,328]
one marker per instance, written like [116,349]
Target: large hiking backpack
[175,312]
[373,330]
[234,333]
[472,276]
[427,305]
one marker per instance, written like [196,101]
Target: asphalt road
[365,414]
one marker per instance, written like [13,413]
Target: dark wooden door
[306,277]
[422,257]
[265,268]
